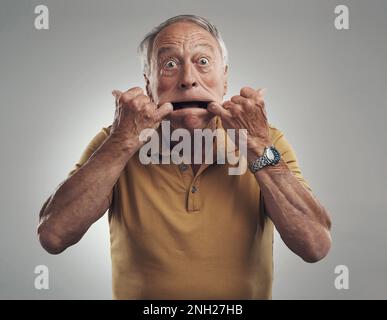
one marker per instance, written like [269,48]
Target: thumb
[163,111]
[217,109]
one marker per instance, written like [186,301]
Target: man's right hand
[135,112]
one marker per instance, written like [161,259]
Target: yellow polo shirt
[179,236]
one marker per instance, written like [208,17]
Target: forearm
[83,198]
[301,220]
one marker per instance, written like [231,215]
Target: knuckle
[124,99]
[245,90]
[130,95]
[235,111]
[135,90]
[235,98]
[137,104]
[249,103]
[145,98]
[227,105]
[148,114]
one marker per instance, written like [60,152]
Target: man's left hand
[246,111]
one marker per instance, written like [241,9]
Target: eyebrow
[164,49]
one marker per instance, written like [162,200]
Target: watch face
[270,154]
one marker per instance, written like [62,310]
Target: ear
[225,80]
[147,87]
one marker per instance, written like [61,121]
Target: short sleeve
[93,145]
[287,154]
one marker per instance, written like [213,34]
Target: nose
[187,80]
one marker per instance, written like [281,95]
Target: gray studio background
[326,92]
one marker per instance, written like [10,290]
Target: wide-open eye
[170,64]
[203,61]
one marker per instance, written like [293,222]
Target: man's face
[187,70]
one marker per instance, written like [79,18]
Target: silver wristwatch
[271,156]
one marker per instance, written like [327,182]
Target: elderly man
[188,231]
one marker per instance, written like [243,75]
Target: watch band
[264,160]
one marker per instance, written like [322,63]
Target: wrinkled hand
[246,111]
[135,112]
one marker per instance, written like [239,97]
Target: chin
[190,120]
[194,123]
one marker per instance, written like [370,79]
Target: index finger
[251,93]
[162,111]
[128,95]
[217,109]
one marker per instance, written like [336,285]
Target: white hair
[146,46]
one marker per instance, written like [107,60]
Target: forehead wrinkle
[192,47]
[204,45]
[181,39]
[178,41]
[170,48]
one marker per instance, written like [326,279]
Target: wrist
[126,145]
[256,149]
[258,160]
[253,154]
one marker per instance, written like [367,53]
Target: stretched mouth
[189,104]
